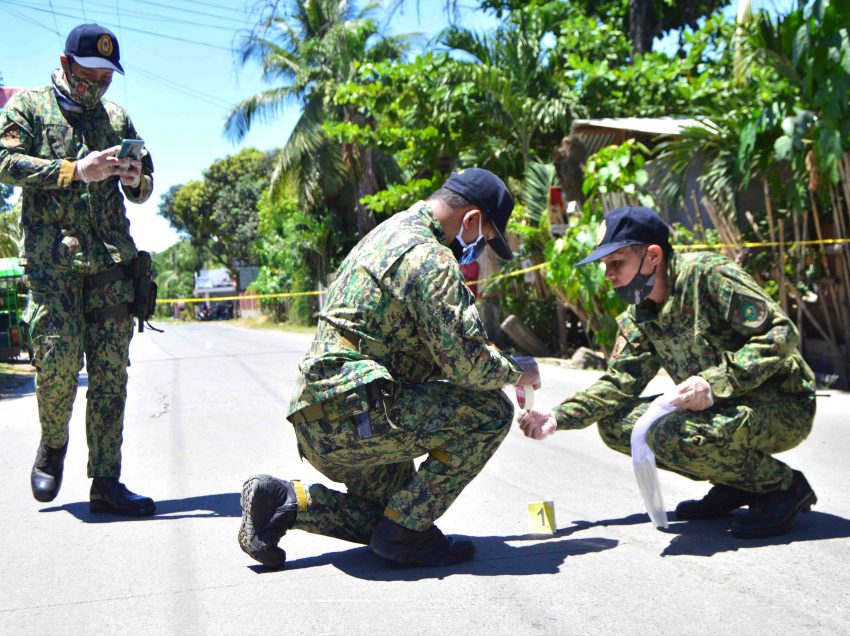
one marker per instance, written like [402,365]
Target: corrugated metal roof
[646,125]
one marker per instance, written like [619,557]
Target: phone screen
[131,148]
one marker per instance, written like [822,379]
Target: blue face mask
[469,252]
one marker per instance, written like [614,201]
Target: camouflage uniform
[400,319]
[72,230]
[716,323]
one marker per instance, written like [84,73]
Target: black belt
[112,274]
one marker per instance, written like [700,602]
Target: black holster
[144,289]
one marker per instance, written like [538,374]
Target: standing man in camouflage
[400,368]
[59,144]
[744,392]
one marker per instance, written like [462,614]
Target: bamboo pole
[780,266]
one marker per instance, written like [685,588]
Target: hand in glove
[131,176]
[100,165]
[694,394]
[530,371]
[536,424]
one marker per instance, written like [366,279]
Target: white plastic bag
[643,459]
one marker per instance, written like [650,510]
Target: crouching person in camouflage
[744,392]
[399,368]
[59,144]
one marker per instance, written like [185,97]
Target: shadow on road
[496,557]
[707,538]
[221,505]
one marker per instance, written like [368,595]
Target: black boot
[46,476]
[718,502]
[269,509]
[110,495]
[409,547]
[771,512]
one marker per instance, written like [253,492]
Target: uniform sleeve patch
[11,137]
[747,311]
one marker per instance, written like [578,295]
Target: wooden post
[780,266]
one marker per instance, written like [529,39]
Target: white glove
[530,371]
[100,165]
[536,424]
[694,394]
[131,176]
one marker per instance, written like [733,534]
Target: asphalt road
[205,411]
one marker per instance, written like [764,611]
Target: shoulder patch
[746,310]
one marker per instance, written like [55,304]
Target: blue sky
[182,76]
[177,92]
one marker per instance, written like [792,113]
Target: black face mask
[639,288]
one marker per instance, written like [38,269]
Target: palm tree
[306,54]
[520,100]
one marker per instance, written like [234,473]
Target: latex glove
[694,394]
[536,424]
[530,371]
[131,176]
[100,165]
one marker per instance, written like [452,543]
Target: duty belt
[119,272]
[358,400]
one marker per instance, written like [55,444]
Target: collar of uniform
[430,217]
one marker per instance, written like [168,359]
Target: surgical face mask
[466,253]
[87,93]
[639,288]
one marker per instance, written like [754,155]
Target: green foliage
[294,252]
[10,228]
[614,171]
[306,49]
[810,49]
[618,169]
[219,213]
[174,270]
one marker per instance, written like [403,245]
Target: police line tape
[525,270]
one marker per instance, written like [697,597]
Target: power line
[55,23]
[196,12]
[151,33]
[208,4]
[83,7]
[121,35]
[154,17]
[211,100]
[15,14]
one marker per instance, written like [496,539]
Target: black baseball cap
[632,225]
[94,46]
[484,189]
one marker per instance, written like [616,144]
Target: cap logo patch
[104,45]
[600,233]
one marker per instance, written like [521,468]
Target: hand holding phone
[131,149]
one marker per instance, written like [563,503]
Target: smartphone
[131,149]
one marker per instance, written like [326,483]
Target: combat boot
[409,547]
[46,476]
[269,509]
[771,512]
[107,494]
[718,502]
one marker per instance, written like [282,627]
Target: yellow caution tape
[519,272]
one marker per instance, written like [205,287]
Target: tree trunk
[643,25]
[366,184]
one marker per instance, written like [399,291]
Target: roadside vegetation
[380,128]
